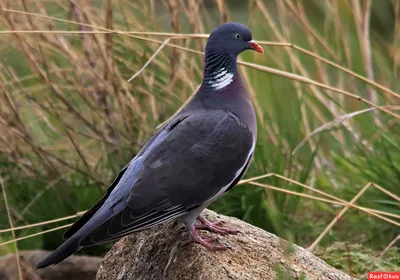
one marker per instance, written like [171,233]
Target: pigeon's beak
[256,47]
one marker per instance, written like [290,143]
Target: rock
[74,268]
[160,253]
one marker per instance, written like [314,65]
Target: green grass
[357,259]
[57,162]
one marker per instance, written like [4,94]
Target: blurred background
[69,120]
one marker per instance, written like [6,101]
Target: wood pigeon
[192,160]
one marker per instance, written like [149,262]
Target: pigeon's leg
[214,226]
[207,242]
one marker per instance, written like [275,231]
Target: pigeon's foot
[214,226]
[206,242]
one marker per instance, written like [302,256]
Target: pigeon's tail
[66,249]
[73,243]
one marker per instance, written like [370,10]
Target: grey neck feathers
[220,68]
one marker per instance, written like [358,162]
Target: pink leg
[214,227]
[205,242]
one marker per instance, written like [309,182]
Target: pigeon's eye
[237,36]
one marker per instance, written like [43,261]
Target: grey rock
[161,253]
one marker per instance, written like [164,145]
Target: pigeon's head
[233,38]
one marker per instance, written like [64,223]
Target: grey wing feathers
[196,157]
[117,181]
[89,213]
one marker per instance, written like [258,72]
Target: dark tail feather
[64,251]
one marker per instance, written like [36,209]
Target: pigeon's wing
[117,181]
[89,213]
[198,158]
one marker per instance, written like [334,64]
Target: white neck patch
[221,79]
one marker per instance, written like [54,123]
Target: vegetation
[69,120]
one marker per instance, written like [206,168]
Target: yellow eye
[237,36]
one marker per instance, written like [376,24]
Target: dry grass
[3,188]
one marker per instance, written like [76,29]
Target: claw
[214,226]
[207,242]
